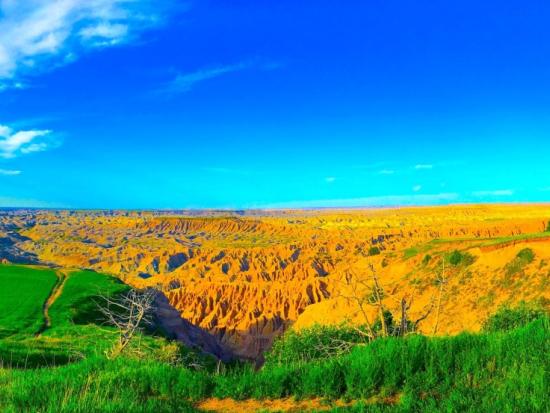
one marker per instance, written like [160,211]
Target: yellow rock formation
[249,277]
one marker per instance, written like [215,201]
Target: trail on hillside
[288,404]
[54,295]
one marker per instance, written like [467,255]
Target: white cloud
[423,167]
[37,35]
[386,172]
[498,192]
[417,188]
[9,172]
[330,179]
[13,144]
[184,82]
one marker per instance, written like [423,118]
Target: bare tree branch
[129,313]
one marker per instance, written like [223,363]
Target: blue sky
[235,104]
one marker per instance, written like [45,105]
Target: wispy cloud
[184,82]
[417,188]
[330,179]
[420,167]
[15,143]
[498,192]
[386,172]
[9,172]
[37,35]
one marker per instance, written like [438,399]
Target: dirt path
[54,295]
[287,405]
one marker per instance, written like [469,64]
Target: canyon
[248,276]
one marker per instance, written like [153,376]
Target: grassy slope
[493,372]
[23,291]
[77,303]
[75,332]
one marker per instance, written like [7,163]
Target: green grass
[410,252]
[23,290]
[486,241]
[76,327]
[472,373]
[81,292]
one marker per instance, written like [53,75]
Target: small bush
[461,258]
[524,257]
[314,343]
[507,318]
[548,227]
[374,251]
[426,260]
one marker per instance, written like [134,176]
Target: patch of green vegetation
[410,252]
[520,237]
[311,344]
[548,227]
[374,251]
[463,373]
[23,291]
[457,258]
[487,241]
[78,303]
[76,331]
[426,260]
[418,249]
[523,258]
[510,318]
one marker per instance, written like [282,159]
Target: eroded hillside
[249,276]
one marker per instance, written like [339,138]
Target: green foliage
[509,318]
[374,251]
[388,318]
[426,260]
[548,227]
[484,372]
[523,258]
[457,258]
[526,255]
[23,291]
[311,344]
